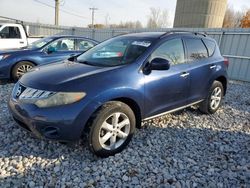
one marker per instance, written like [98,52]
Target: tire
[104,127]
[20,69]
[216,93]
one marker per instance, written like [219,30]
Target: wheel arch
[128,101]
[19,61]
[223,80]
[134,106]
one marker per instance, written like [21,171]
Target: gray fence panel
[234,43]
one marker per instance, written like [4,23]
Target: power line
[65,11]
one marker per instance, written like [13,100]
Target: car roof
[54,37]
[145,34]
[7,23]
[154,35]
[67,36]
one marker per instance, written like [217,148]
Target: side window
[63,45]
[196,49]
[171,50]
[210,46]
[84,45]
[10,33]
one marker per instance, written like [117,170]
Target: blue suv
[107,91]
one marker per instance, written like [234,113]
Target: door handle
[21,42]
[72,55]
[184,74]
[213,66]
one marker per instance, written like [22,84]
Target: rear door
[167,89]
[200,69]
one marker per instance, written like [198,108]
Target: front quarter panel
[123,82]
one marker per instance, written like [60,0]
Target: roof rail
[182,31]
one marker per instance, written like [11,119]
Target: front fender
[109,95]
[116,93]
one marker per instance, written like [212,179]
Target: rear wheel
[213,101]
[112,129]
[20,69]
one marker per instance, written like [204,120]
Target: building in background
[200,13]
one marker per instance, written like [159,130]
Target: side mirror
[51,50]
[159,64]
[72,58]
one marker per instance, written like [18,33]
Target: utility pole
[107,18]
[93,9]
[57,4]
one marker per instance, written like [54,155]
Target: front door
[10,37]
[59,50]
[167,89]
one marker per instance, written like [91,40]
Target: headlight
[44,99]
[60,98]
[4,56]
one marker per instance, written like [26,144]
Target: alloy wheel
[215,98]
[114,131]
[23,69]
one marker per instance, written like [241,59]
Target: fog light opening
[51,132]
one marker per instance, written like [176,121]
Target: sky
[114,11]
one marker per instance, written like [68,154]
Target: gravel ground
[184,149]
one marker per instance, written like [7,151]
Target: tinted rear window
[196,49]
[210,46]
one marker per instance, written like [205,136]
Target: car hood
[16,51]
[61,76]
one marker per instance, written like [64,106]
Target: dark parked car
[111,88]
[14,63]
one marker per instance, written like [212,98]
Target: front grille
[18,90]
[25,93]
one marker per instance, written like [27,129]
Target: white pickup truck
[14,36]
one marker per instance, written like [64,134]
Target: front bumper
[64,123]
[5,69]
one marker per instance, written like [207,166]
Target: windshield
[39,43]
[115,52]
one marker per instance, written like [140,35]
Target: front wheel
[111,129]
[20,69]
[213,101]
